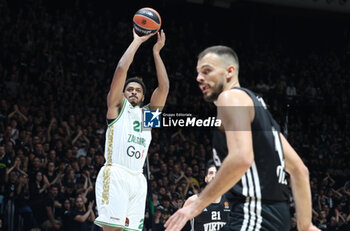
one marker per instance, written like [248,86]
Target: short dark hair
[209,165]
[136,80]
[220,50]
[54,186]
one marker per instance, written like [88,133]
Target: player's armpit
[113,111]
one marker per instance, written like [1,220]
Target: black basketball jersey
[213,217]
[265,179]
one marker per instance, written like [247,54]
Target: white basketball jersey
[127,141]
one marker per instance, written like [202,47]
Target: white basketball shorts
[120,198]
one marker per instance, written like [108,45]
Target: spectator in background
[81,219]
[66,214]
[49,219]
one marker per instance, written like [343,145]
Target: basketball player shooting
[121,187]
[252,154]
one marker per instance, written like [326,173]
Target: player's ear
[230,72]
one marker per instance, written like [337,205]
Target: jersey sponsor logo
[132,153]
[213,226]
[137,140]
[226,204]
[151,118]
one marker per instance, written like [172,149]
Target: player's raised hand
[160,41]
[143,38]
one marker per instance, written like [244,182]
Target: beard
[133,103]
[215,93]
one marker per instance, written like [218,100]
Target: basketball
[146,21]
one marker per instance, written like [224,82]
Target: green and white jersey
[127,141]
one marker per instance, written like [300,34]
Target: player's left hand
[141,39]
[179,219]
[160,41]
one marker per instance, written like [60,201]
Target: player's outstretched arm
[234,110]
[160,94]
[115,95]
[190,200]
[299,177]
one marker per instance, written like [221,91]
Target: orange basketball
[146,21]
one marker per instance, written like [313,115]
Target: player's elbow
[243,161]
[164,87]
[300,169]
[121,67]
[304,170]
[110,100]
[247,161]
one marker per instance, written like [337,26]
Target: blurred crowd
[56,64]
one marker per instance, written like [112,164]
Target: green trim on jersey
[128,229]
[120,113]
[109,224]
[115,226]
[146,107]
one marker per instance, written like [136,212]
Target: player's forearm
[162,75]
[120,73]
[230,172]
[128,56]
[302,196]
[160,94]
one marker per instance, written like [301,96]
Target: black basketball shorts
[255,215]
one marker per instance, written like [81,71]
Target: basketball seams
[153,10]
[156,12]
[144,31]
[151,25]
[147,20]
[158,21]
[151,19]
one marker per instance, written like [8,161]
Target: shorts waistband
[133,172]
